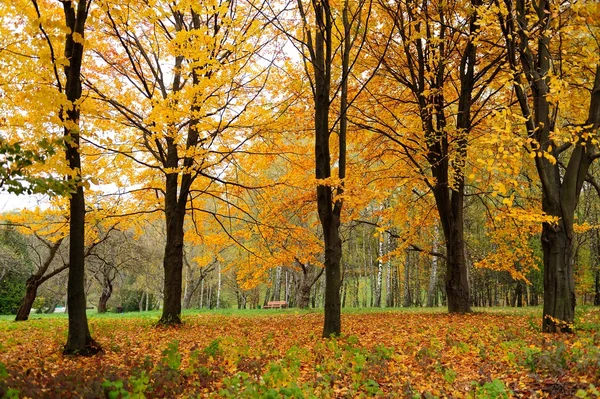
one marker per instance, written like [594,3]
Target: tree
[535,35]
[329,38]
[194,74]
[443,80]
[39,277]
[14,266]
[63,85]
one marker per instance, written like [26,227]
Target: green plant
[115,389]
[494,389]
[213,349]
[171,355]
[450,376]
[587,393]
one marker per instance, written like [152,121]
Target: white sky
[10,202]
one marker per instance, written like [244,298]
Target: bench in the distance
[275,305]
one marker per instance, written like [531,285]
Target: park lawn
[269,354]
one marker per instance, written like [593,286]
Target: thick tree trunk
[303,295]
[79,341]
[333,277]
[305,285]
[189,282]
[519,294]
[187,298]
[559,283]
[173,260]
[457,276]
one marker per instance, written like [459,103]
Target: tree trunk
[457,280]
[37,279]
[305,285]
[218,304]
[597,288]
[141,301]
[559,283]
[105,296]
[173,260]
[407,295]
[277,285]
[432,289]
[333,254]
[189,282]
[519,294]
[303,294]
[267,296]
[79,340]
[379,283]
[27,302]
[389,286]
[187,298]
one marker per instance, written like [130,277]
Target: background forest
[450,145]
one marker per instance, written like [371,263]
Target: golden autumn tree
[183,80]
[552,50]
[329,37]
[430,100]
[284,232]
[46,54]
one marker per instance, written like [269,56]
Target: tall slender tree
[330,41]
[79,341]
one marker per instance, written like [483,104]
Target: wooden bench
[275,305]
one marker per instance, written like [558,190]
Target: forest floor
[492,353]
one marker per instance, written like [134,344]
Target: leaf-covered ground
[271,354]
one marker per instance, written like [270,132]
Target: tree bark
[28,299]
[79,340]
[407,295]
[37,279]
[597,288]
[107,290]
[173,260]
[432,289]
[379,283]
[276,296]
[305,285]
[561,189]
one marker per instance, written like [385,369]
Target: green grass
[155,314]
[533,311]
